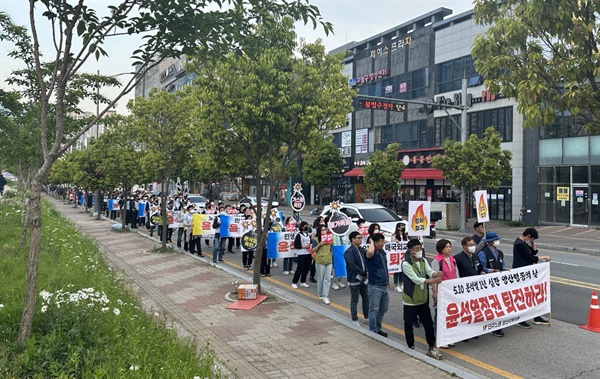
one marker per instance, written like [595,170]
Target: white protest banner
[395,255]
[481,205]
[419,216]
[476,305]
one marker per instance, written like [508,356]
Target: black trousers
[304,262]
[265,264]
[196,245]
[247,257]
[355,291]
[411,312]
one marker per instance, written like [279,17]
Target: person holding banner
[323,258]
[357,276]
[447,265]
[466,261]
[302,245]
[378,275]
[479,235]
[492,260]
[288,263]
[399,236]
[417,277]
[525,254]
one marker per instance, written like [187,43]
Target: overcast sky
[352,21]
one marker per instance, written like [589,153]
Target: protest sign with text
[476,305]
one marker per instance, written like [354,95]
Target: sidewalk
[284,337]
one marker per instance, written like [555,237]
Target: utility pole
[464,134]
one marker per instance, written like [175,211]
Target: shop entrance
[580,204]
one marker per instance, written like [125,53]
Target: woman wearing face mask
[302,244]
[373,228]
[417,277]
[445,263]
[399,236]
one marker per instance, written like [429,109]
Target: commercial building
[426,59]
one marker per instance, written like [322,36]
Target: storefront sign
[393,46]
[370,77]
[381,105]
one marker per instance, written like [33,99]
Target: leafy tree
[320,162]
[169,29]
[164,127]
[545,54]
[478,164]
[270,105]
[384,169]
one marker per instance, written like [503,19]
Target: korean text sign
[476,305]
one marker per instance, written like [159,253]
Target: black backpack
[216,222]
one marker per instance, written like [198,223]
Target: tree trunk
[163,207]
[97,204]
[23,185]
[34,249]
[261,233]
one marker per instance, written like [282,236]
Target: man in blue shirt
[378,275]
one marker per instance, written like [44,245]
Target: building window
[449,75]
[499,118]
[410,135]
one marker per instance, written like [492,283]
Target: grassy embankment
[87,323]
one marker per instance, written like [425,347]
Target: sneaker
[286,273]
[335,286]
[304,285]
[497,333]
[398,289]
[274,265]
[326,300]
[382,333]
[431,352]
[355,322]
[321,297]
[524,324]
[341,285]
[540,321]
[312,280]
[294,285]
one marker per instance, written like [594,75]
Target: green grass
[87,322]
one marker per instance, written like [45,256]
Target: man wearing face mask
[417,277]
[466,261]
[492,260]
[525,254]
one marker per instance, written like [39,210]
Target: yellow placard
[562,193]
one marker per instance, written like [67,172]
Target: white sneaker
[326,300]
[335,286]
[286,273]
[398,289]
[292,272]
[294,285]
[274,265]
[342,285]
[356,323]
[304,285]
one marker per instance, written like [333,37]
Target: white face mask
[497,243]
[471,249]
[375,231]
[418,254]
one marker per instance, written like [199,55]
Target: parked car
[199,201]
[371,213]
[250,201]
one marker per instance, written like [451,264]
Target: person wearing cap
[479,235]
[525,254]
[492,260]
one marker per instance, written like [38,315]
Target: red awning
[355,172]
[421,173]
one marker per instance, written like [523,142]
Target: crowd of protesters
[367,271]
